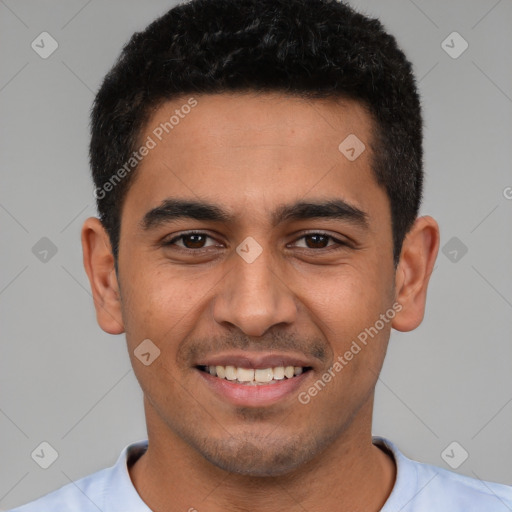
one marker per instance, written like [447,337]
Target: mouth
[254,380]
[254,376]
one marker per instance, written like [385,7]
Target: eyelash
[339,244]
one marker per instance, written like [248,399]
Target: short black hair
[303,48]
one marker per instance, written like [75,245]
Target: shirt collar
[121,494]
[125,496]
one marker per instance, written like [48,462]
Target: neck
[350,474]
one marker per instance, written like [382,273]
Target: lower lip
[254,395]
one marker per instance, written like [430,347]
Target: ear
[419,252]
[99,265]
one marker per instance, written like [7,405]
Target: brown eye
[317,241]
[194,241]
[191,241]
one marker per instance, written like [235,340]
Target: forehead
[245,122]
[252,151]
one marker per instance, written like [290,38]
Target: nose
[254,297]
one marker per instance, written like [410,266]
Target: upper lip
[255,360]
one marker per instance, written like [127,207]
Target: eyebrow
[172,209]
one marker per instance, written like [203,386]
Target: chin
[260,458]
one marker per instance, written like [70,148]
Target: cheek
[349,301]
[153,303]
[165,305]
[160,309]
[350,319]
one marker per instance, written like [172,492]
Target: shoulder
[107,490]
[460,492]
[423,487]
[84,495]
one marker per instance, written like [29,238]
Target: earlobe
[99,266]
[419,252]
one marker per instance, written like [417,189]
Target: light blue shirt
[418,488]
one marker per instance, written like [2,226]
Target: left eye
[317,241]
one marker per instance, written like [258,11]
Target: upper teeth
[254,375]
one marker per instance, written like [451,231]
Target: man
[258,174]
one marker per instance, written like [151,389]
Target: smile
[254,376]
[254,387]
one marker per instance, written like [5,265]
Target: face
[249,240]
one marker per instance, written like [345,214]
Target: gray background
[65,381]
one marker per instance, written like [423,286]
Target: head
[314,49]
[287,135]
